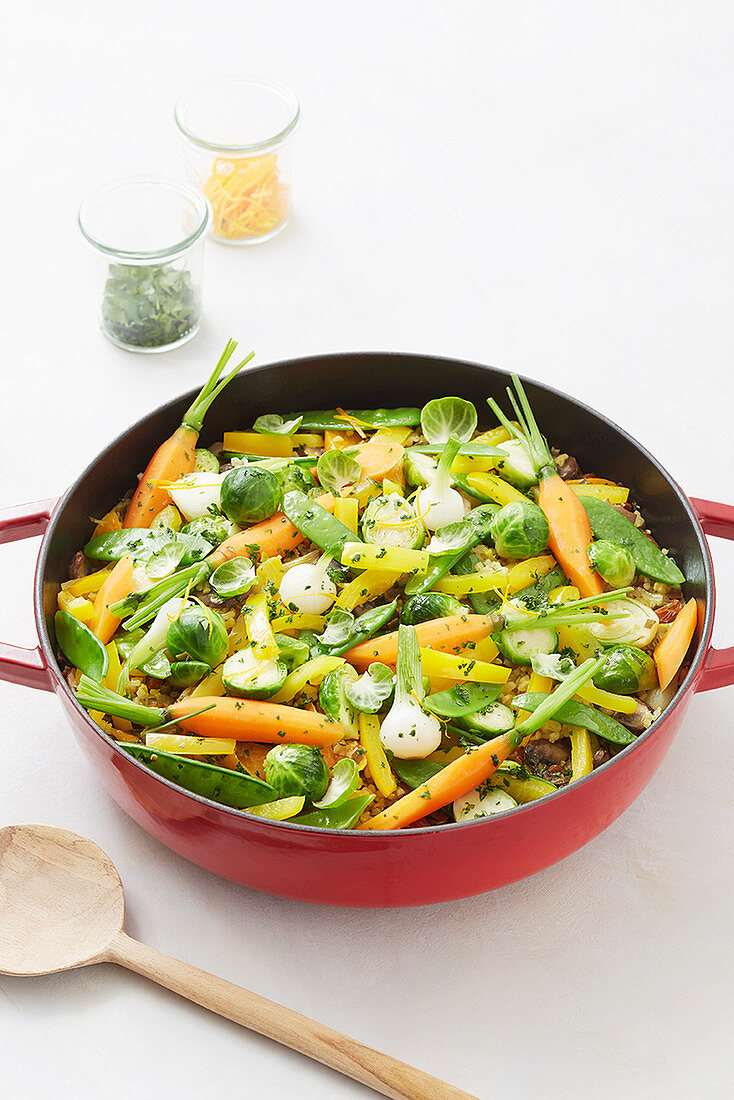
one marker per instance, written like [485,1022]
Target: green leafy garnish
[149,307]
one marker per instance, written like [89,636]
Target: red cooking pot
[414,866]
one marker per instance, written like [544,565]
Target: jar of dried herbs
[149,238]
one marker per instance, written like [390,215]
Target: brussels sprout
[250,494]
[431,605]
[372,690]
[274,424]
[336,469]
[297,769]
[626,671]
[448,416]
[295,477]
[333,699]
[164,561]
[635,624]
[420,469]
[233,578]
[199,633]
[391,521]
[517,466]
[613,563]
[205,462]
[185,673]
[214,528]
[246,676]
[520,530]
[293,652]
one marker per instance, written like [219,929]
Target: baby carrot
[674,646]
[253,720]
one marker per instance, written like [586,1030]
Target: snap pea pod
[140,544]
[336,817]
[318,525]
[607,523]
[80,646]
[477,530]
[229,788]
[326,419]
[364,627]
[573,713]
[463,699]
[471,449]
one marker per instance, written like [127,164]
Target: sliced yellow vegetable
[77,606]
[190,746]
[582,757]
[280,810]
[377,763]
[346,510]
[210,685]
[492,486]
[578,639]
[312,672]
[495,580]
[389,486]
[527,572]
[308,439]
[364,491]
[615,494]
[392,435]
[85,586]
[288,624]
[269,575]
[494,438]
[255,443]
[452,667]
[114,667]
[535,683]
[170,517]
[258,627]
[625,704]
[474,464]
[486,650]
[391,559]
[365,587]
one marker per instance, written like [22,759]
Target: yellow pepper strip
[492,486]
[308,439]
[582,758]
[364,491]
[567,593]
[486,650]
[535,683]
[255,443]
[436,663]
[389,487]
[522,790]
[526,572]
[259,630]
[346,510]
[281,809]
[85,586]
[494,581]
[312,672]
[625,704]
[392,435]
[289,624]
[615,494]
[494,438]
[113,669]
[76,606]
[390,559]
[474,464]
[364,588]
[377,764]
[190,746]
[210,685]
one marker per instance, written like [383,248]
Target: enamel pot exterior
[416,866]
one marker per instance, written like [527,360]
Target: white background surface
[543,187]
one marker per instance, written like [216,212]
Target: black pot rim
[367,835]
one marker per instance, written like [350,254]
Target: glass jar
[149,236]
[238,142]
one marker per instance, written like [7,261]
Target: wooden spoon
[62,906]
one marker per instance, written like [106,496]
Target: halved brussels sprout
[214,528]
[185,673]
[636,625]
[448,416]
[336,469]
[249,678]
[626,671]
[517,466]
[297,769]
[613,563]
[198,633]
[250,494]
[391,521]
[520,530]
[420,469]
[431,605]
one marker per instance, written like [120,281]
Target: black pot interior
[367,381]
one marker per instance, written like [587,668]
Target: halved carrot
[570,533]
[452,782]
[446,635]
[175,457]
[253,720]
[273,536]
[674,646]
[380,460]
[116,586]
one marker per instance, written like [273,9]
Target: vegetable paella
[373,618]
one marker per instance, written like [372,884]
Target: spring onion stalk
[409,731]
[307,587]
[588,610]
[438,503]
[97,697]
[170,586]
[157,597]
[555,701]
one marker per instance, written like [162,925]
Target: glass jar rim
[251,147]
[200,203]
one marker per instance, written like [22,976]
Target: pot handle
[18,665]
[716,519]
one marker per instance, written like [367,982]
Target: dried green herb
[149,307]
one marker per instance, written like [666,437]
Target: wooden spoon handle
[384,1074]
